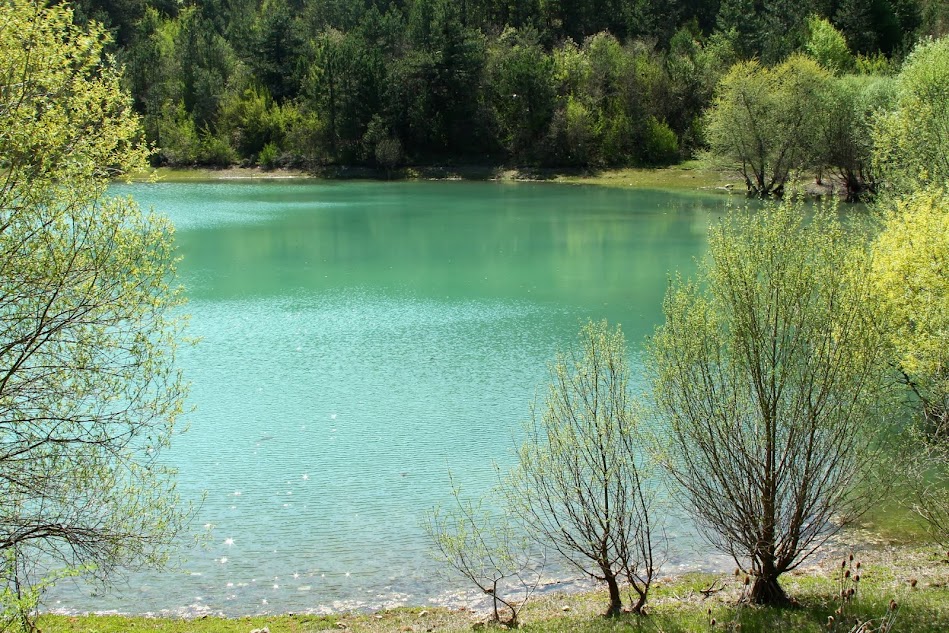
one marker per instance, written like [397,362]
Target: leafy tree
[520,86]
[88,389]
[766,376]
[251,121]
[173,128]
[827,46]
[581,485]
[911,284]
[846,132]
[611,98]
[912,141]
[766,119]
[692,71]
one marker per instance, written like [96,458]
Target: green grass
[675,605]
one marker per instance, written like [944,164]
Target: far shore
[695,176]
[689,176]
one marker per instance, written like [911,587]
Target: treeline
[382,82]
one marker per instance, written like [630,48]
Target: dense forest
[528,82]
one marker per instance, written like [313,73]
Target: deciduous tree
[89,392]
[582,483]
[912,141]
[766,120]
[911,288]
[766,376]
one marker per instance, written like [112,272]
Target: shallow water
[356,341]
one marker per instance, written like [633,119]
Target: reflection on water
[359,339]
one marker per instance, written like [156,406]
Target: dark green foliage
[597,82]
[520,90]
[277,46]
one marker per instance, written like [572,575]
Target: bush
[660,145]
[268,156]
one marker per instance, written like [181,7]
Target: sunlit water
[357,340]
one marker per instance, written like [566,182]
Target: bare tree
[581,485]
[768,374]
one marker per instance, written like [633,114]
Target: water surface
[356,341]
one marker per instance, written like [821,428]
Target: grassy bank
[689,176]
[914,577]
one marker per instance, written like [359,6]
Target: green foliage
[767,377]
[277,45]
[89,392]
[876,64]
[911,288]
[442,75]
[845,146]
[692,71]
[175,133]
[251,120]
[490,550]
[827,46]
[22,593]
[660,145]
[912,141]
[521,92]
[767,120]
[344,87]
[582,482]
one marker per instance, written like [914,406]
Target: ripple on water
[326,419]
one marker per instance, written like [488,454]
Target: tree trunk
[640,603]
[616,599]
[767,591]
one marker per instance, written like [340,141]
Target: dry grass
[689,176]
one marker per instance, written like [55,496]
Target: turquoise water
[356,341]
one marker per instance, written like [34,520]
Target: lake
[357,340]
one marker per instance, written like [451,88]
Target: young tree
[912,141]
[828,46]
[766,119]
[489,550]
[88,388]
[766,376]
[582,485]
[911,288]
[520,90]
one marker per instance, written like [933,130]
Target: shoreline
[689,176]
[693,176]
[911,574]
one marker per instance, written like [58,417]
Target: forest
[556,83]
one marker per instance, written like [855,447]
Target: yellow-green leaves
[766,120]
[89,391]
[911,283]
[766,373]
[912,141]
[66,128]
